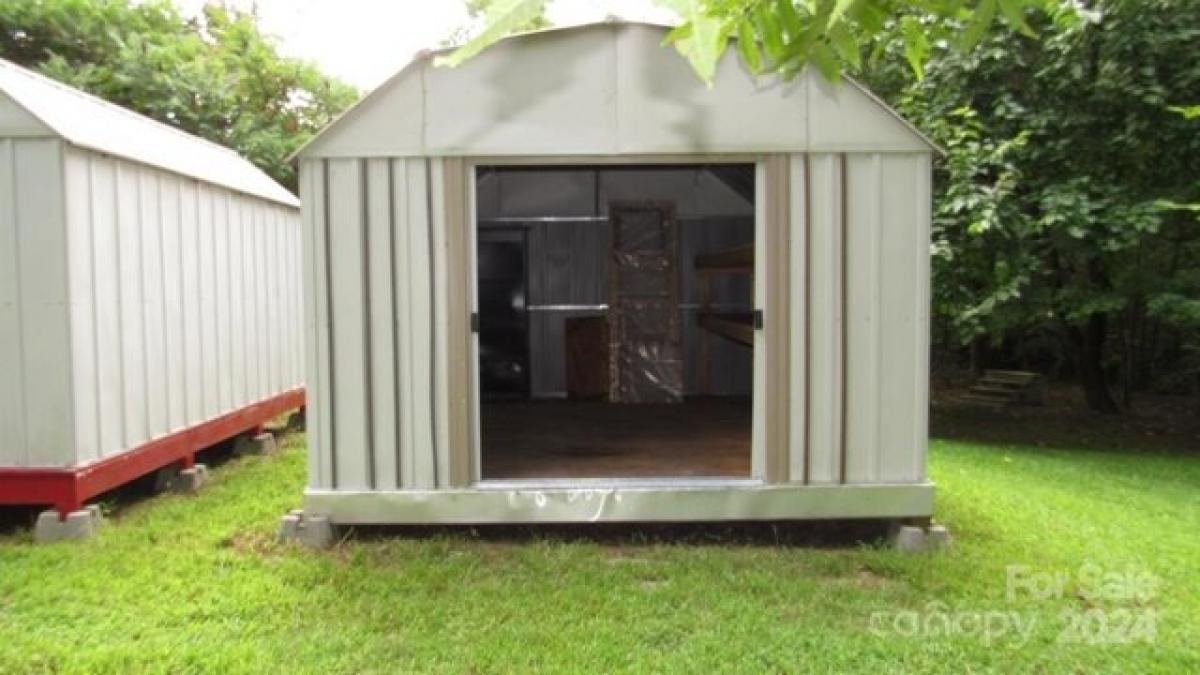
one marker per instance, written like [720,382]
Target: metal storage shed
[549,132]
[149,294]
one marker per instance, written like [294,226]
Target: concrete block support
[190,480]
[259,444]
[81,524]
[313,531]
[908,538]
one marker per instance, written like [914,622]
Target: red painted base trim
[66,489]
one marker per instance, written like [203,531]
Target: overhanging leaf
[748,47]
[916,45]
[981,20]
[1014,14]
[503,18]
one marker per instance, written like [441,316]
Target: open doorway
[615,320]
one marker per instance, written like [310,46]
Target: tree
[1051,215]
[785,36]
[217,77]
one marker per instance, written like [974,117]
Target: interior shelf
[737,326]
[736,260]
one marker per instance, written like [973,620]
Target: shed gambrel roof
[606,89]
[32,105]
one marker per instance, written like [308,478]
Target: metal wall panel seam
[73,418]
[91,215]
[18,290]
[842,253]
[332,393]
[141,253]
[123,393]
[393,255]
[878,329]
[162,256]
[365,280]
[228,321]
[924,293]
[433,333]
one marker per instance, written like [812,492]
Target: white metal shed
[444,185]
[149,294]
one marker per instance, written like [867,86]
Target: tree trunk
[1089,345]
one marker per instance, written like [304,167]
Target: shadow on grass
[1155,425]
[807,534]
[13,519]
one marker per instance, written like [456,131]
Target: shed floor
[707,437]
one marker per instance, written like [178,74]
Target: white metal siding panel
[134,268]
[904,342]
[193,342]
[825,318]
[17,122]
[316,324]
[78,195]
[45,333]
[923,272]
[13,447]
[129,264]
[865,328]
[798,235]
[382,339]
[174,305]
[153,311]
[418,467]
[661,106]
[106,296]
[441,321]
[238,305]
[552,95]
[843,118]
[349,315]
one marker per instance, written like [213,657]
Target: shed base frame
[67,488]
[621,503]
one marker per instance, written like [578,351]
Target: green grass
[178,584]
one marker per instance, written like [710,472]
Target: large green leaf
[503,18]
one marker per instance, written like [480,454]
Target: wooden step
[1015,376]
[996,392]
[985,400]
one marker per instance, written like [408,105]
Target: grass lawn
[178,584]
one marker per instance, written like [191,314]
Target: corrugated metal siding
[35,355]
[369,279]
[147,302]
[867,336]
[854,302]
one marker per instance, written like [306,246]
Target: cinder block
[190,480]
[262,444]
[82,524]
[317,532]
[907,538]
[289,527]
[166,478]
[313,531]
[937,537]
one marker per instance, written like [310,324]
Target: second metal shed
[149,294]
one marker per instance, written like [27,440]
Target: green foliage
[785,36]
[501,18]
[1062,160]
[219,78]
